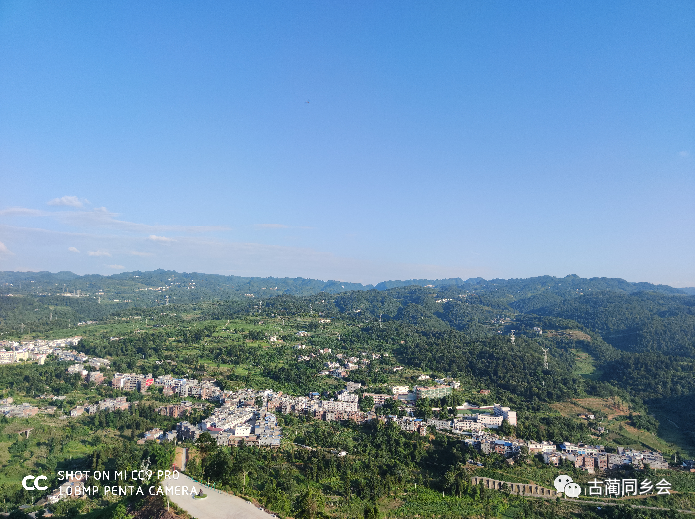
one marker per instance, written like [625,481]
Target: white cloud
[4,249]
[21,211]
[143,254]
[684,154]
[70,201]
[160,239]
[116,267]
[99,252]
[73,249]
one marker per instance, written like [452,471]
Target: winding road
[217,504]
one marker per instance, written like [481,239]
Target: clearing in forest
[611,407]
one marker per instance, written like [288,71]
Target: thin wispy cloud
[212,255]
[101,217]
[160,239]
[271,226]
[73,249]
[70,201]
[21,211]
[279,226]
[4,249]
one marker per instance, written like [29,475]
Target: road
[217,505]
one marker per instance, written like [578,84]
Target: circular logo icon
[572,490]
[561,481]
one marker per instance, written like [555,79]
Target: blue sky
[440,139]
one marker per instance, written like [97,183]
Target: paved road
[218,505]
[629,503]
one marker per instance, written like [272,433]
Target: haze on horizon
[361,142]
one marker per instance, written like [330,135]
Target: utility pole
[545,358]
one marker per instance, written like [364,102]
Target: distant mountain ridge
[306,286]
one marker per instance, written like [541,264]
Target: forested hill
[215,286]
[599,332]
[634,317]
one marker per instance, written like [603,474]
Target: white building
[505,413]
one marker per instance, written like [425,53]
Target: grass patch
[584,364]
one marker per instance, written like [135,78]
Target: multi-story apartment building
[505,413]
[337,405]
[378,399]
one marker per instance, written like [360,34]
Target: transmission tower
[512,338]
[545,358]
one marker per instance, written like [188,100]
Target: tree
[120,512]
[456,479]
[506,429]
[310,504]
[206,443]
[367,403]
[371,511]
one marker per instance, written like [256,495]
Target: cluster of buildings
[12,351]
[109,404]
[38,350]
[443,388]
[582,456]
[11,410]
[476,421]
[592,457]
[344,407]
[177,410]
[157,435]
[406,423]
[239,419]
[341,365]
[95,376]
[205,389]
[132,381]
